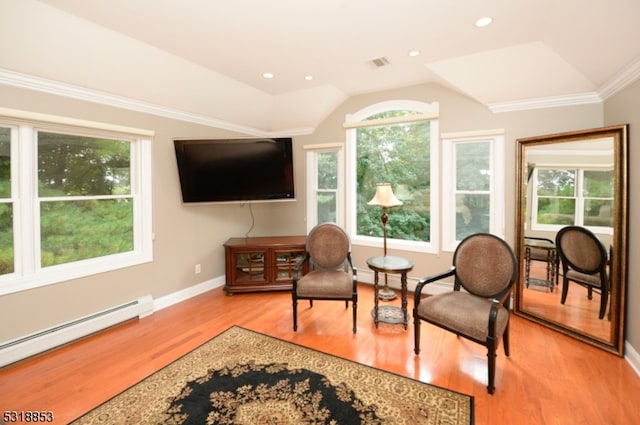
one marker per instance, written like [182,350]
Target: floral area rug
[244,377]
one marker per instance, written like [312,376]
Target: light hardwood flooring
[548,379]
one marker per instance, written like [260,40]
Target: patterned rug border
[236,328]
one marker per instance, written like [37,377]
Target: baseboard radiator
[47,339]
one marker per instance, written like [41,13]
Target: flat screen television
[235,170]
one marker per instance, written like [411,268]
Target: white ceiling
[535,49]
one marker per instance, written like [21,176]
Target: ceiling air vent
[380,62]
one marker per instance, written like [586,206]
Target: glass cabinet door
[250,266]
[286,261]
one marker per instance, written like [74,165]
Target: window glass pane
[398,154]
[556,210]
[82,166]
[78,230]
[5,162]
[472,214]
[598,212]
[328,170]
[598,184]
[6,239]
[556,182]
[326,207]
[6,208]
[473,166]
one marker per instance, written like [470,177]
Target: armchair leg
[295,314]
[603,303]
[505,340]
[355,315]
[491,359]
[416,334]
[565,289]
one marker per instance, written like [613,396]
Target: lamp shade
[384,196]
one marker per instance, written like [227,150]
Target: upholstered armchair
[486,268]
[584,261]
[331,274]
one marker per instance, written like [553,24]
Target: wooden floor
[579,312]
[548,379]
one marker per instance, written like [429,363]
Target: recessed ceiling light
[309,77]
[267,75]
[483,22]
[414,53]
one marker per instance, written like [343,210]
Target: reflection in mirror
[574,179]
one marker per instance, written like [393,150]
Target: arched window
[394,142]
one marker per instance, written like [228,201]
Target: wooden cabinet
[262,263]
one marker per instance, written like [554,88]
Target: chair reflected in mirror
[584,261]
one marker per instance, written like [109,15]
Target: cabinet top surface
[267,240]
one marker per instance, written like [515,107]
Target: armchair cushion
[591,279]
[326,284]
[463,314]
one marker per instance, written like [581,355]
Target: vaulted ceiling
[205,59]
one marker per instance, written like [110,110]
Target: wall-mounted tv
[235,170]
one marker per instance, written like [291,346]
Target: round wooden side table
[392,265]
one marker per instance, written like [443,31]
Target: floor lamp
[385,198]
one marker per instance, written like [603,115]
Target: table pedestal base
[386,294]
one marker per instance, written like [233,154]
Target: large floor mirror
[576,179]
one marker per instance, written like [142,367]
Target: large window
[325,184]
[567,196]
[79,197]
[394,142]
[473,184]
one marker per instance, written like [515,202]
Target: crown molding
[43,85]
[626,77]
[545,102]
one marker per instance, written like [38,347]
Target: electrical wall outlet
[198,268]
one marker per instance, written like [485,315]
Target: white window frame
[426,111]
[312,153]
[496,191]
[577,196]
[28,273]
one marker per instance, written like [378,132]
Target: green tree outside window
[86,207]
[398,154]
[6,206]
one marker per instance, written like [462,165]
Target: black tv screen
[235,170]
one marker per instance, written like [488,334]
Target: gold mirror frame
[618,265]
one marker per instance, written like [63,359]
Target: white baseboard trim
[632,357]
[185,294]
[39,342]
